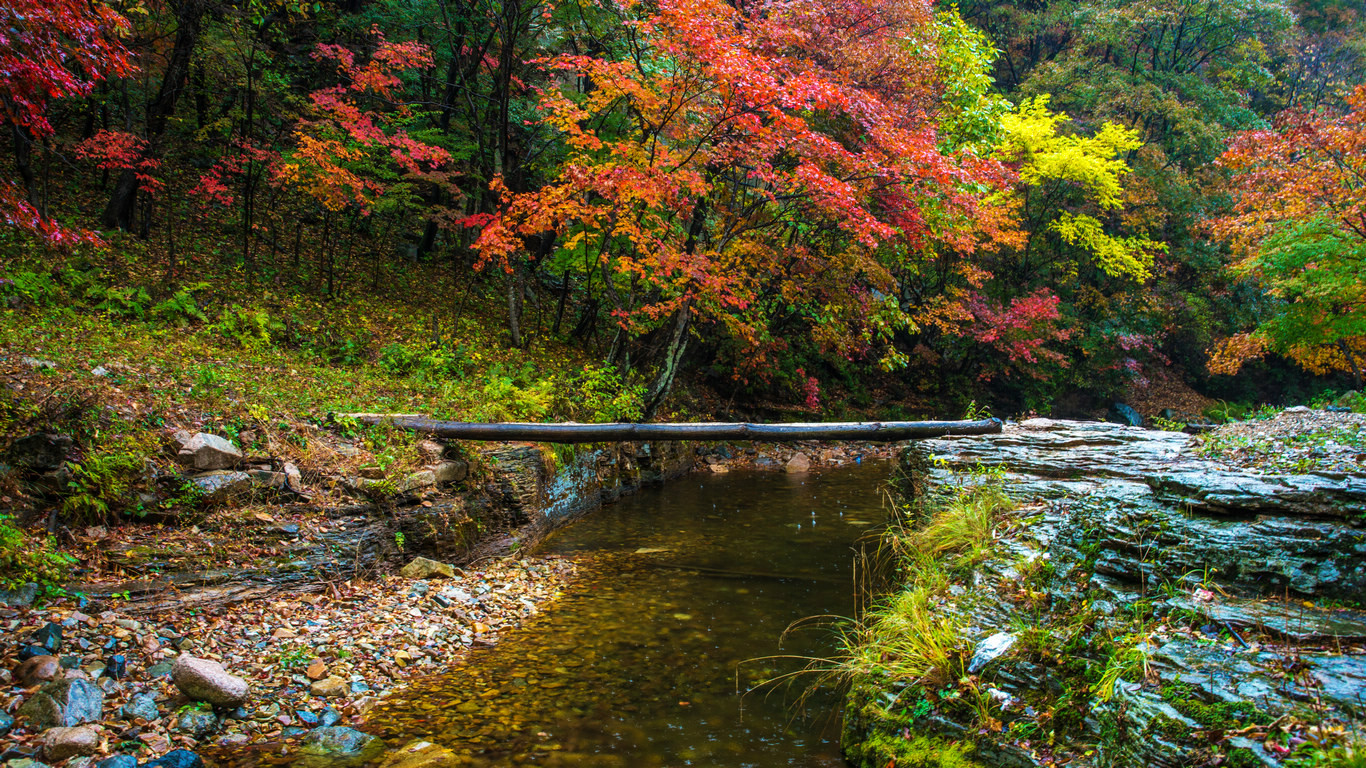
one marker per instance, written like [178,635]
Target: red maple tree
[50,49]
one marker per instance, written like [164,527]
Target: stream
[690,586]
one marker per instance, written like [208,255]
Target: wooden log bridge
[876,431]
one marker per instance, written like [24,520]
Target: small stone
[116,666]
[307,718]
[32,652]
[337,746]
[798,463]
[161,669]
[989,650]
[421,754]
[293,730]
[142,706]
[6,723]
[38,669]
[1297,409]
[316,670]
[180,758]
[205,680]
[294,480]
[118,761]
[329,717]
[49,637]
[198,723]
[423,568]
[62,743]
[328,687]
[430,449]
[425,478]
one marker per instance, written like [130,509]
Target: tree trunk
[881,431]
[118,214]
[678,342]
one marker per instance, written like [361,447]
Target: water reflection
[640,664]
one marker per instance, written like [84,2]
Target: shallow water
[639,664]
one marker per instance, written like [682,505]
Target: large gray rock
[448,472]
[205,451]
[61,743]
[338,747]
[206,680]
[220,485]
[68,702]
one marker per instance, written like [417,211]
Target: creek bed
[640,663]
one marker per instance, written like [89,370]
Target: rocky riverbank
[1153,599]
[85,687]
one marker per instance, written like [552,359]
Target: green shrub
[249,327]
[24,559]
[599,395]
[108,479]
[423,362]
[128,303]
[181,308]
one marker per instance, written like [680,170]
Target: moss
[882,749]
[1222,714]
[1241,758]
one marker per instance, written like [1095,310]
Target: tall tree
[748,159]
[1299,226]
[50,49]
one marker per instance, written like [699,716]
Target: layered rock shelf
[1143,606]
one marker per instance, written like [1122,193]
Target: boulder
[421,754]
[60,743]
[798,463]
[205,680]
[41,452]
[423,568]
[67,702]
[205,451]
[220,484]
[38,669]
[425,478]
[448,472]
[339,747]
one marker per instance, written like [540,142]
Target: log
[875,431]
